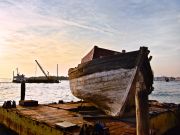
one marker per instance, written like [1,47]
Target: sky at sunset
[63,31]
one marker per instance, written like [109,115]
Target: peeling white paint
[106,89]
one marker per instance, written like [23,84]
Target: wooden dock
[79,118]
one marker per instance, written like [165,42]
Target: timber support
[141,101]
[23,90]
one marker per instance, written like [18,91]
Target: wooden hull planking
[109,82]
[108,90]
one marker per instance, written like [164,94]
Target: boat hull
[109,82]
[108,90]
[37,80]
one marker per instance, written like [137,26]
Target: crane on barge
[50,79]
[41,69]
[40,79]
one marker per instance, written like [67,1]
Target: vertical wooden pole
[13,74]
[17,70]
[23,89]
[57,71]
[142,112]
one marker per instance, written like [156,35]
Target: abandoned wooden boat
[108,79]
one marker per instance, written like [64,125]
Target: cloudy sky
[63,31]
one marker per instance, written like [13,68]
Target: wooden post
[142,112]
[13,74]
[23,89]
[57,71]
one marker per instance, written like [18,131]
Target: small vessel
[108,79]
[166,79]
[19,78]
[40,79]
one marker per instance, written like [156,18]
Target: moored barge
[40,79]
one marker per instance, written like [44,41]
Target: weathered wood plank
[107,90]
[141,99]
[42,120]
[124,60]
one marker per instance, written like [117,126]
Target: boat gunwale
[107,60]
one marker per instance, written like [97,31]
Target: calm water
[48,93]
[168,92]
[44,93]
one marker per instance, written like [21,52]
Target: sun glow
[1,46]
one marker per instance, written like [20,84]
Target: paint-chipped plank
[107,90]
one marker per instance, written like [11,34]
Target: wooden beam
[141,101]
[23,90]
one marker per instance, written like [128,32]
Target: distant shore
[165,78]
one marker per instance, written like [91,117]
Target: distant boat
[166,79]
[19,78]
[108,79]
[40,79]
